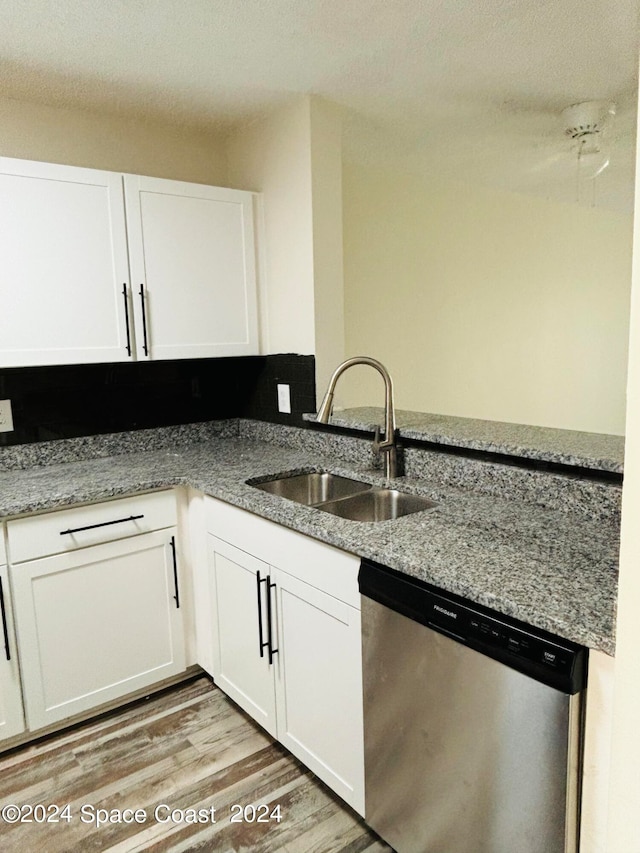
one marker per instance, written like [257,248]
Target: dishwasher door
[463,754]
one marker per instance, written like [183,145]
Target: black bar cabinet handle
[261,642]
[175,572]
[100,524]
[272,651]
[126,317]
[5,630]
[144,322]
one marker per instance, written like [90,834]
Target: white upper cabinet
[83,282]
[63,252]
[192,269]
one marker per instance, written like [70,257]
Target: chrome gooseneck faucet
[388,447]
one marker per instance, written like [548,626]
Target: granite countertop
[552,569]
[596,451]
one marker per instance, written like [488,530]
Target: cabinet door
[193,269]
[64,265]
[11,711]
[241,666]
[97,624]
[319,685]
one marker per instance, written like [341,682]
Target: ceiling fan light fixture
[587,124]
[588,119]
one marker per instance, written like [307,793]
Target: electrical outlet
[284,399]
[6,418]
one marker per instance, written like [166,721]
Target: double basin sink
[344,497]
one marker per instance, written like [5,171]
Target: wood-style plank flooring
[189,748]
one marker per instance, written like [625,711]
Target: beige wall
[273,157]
[101,141]
[484,303]
[598,728]
[624,816]
[294,159]
[326,182]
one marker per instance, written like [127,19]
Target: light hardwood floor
[188,748]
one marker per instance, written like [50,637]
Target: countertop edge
[573,448]
[221,473]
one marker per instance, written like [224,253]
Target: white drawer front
[69,529]
[3,555]
[316,563]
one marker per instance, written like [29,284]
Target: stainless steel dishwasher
[472,724]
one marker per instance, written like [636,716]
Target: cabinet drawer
[316,563]
[69,529]
[3,555]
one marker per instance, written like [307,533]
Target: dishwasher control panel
[521,643]
[533,651]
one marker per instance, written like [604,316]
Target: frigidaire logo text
[446,612]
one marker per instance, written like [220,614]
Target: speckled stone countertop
[562,446]
[552,569]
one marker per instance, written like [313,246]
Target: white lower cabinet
[11,710]
[319,685]
[240,661]
[287,650]
[95,593]
[96,624]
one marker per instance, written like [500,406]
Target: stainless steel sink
[312,489]
[342,496]
[377,505]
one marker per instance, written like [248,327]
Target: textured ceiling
[470,90]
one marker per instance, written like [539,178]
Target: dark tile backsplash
[297,371]
[88,399]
